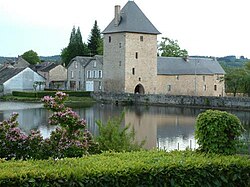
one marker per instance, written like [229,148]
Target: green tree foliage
[95,41]
[170,48]
[114,137]
[218,132]
[234,79]
[76,47]
[31,57]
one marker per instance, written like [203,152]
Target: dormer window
[94,64]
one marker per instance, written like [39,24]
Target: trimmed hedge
[144,168]
[41,94]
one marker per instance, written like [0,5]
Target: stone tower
[130,52]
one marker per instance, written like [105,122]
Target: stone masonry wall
[171,100]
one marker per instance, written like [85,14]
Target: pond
[164,127]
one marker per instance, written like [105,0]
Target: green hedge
[144,168]
[41,94]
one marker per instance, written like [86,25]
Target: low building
[190,76]
[20,79]
[55,75]
[85,73]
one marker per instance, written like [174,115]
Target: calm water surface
[165,127]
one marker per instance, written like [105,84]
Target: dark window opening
[133,71]
[215,87]
[109,39]
[141,38]
[136,55]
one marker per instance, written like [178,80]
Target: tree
[234,80]
[31,57]
[95,41]
[76,47]
[170,48]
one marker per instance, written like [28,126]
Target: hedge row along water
[41,94]
[143,168]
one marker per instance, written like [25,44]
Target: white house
[20,79]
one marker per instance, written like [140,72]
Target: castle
[131,64]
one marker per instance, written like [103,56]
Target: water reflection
[164,127]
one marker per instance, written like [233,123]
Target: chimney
[117,15]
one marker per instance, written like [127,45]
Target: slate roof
[9,72]
[83,60]
[192,66]
[48,68]
[21,63]
[132,20]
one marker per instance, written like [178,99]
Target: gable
[10,73]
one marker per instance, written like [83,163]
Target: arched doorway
[139,89]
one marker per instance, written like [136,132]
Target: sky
[202,27]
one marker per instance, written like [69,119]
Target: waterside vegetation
[73,157]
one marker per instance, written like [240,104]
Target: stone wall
[171,100]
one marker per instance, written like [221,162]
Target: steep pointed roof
[132,20]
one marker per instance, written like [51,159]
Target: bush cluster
[218,132]
[141,168]
[113,136]
[41,94]
[70,139]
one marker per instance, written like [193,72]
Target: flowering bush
[16,144]
[70,139]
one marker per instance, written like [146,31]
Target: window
[141,38]
[133,71]
[177,77]
[76,64]
[120,63]
[72,74]
[94,74]
[94,64]
[215,87]
[120,45]
[89,74]
[204,87]
[109,39]
[204,78]
[100,74]
[139,78]
[79,75]
[136,55]
[169,88]
[100,85]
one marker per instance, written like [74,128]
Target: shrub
[70,139]
[113,136]
[16,144]
[218,132]
[141,168]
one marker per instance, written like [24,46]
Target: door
[90,86]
